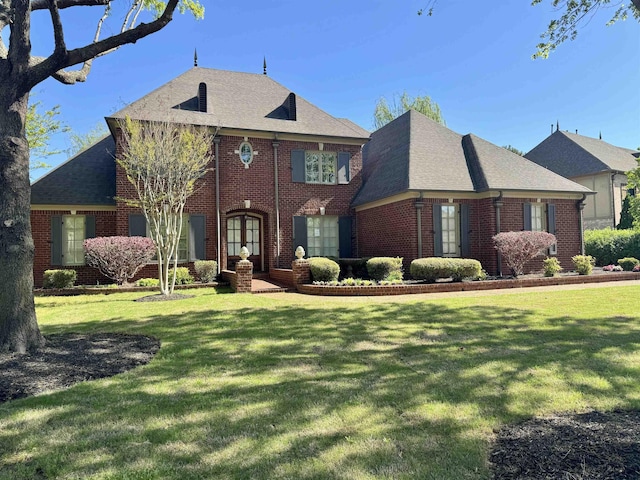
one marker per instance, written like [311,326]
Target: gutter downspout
[613,199]
[216,144]
[580,206]
[497,204]
[276,144]
[419,204]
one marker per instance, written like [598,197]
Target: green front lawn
[289,386]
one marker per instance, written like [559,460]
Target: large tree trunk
[18,326]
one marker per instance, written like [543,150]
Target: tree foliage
[118,258]
[574,14]
[518,248]
[385,112]
[40,126]
[514,150]
[82,141]
[163,162]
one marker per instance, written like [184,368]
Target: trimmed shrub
[385,268]
[517,248]
[323,269]
[59,278]
[119,258]
[608,245]
[628,263]
[183,277]
[584,264]
[148,282]
[206,270]
[430,269]
[551,266]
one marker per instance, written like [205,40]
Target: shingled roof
[235,100]
[572,155]
[414,153]
[88,178]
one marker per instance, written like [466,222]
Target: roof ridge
[577,144]
[476,172]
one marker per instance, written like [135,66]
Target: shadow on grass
[374,391]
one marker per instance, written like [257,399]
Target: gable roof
[414,153]
[88,178]
[235,100]
[572,155]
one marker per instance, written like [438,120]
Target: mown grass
[289,386]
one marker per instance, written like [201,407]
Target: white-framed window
[538,217]
[450,231]
[73,236]
[322,236]
[320,167]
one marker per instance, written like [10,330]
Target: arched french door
[245,230]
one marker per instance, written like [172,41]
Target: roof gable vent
[290,105]
[202,97]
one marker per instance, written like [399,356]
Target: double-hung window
[320,167]
[538,223]
[450,231]
[541,217]
[73,236]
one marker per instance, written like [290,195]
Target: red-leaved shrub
[119,258]
[517,248]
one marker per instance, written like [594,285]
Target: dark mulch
[72,358]
[587,446]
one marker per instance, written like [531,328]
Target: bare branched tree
[164,161]
[20,71]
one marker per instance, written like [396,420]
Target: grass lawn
[290,386]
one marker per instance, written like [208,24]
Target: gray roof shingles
[88,178]
[414,153]
[235,100]
[572,155]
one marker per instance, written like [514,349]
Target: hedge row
[430,269]
[608,245]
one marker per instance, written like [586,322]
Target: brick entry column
[301,271]
[244,273]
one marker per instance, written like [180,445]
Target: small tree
[119,258]
[385,113]
[163,161]
[517,248]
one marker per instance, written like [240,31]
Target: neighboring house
[285,173]
[428,191]
[593,163]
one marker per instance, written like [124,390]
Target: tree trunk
[18,325]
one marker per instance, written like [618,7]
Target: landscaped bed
[292,386]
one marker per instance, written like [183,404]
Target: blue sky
[473,58]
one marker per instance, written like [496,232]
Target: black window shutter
[465,230]
[297,166]
[197,237]
[137,225]
[90,226]
[344,175]
[437,230]
[56,240]
[344,236]
[527,215]
[551,218]
[299,233]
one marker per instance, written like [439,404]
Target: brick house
[591,162]
[285,173]
[428,191]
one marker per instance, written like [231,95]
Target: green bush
[385,268]
[628,263]
[324,269]
[206,270]
[430,269]
[183,277]
[148,282]
[584,264]
[59,278]
[551,266]
[608,245]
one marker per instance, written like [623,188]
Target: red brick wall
[41,230]
[390,230]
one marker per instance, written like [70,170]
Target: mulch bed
[586,446]
[72,358]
